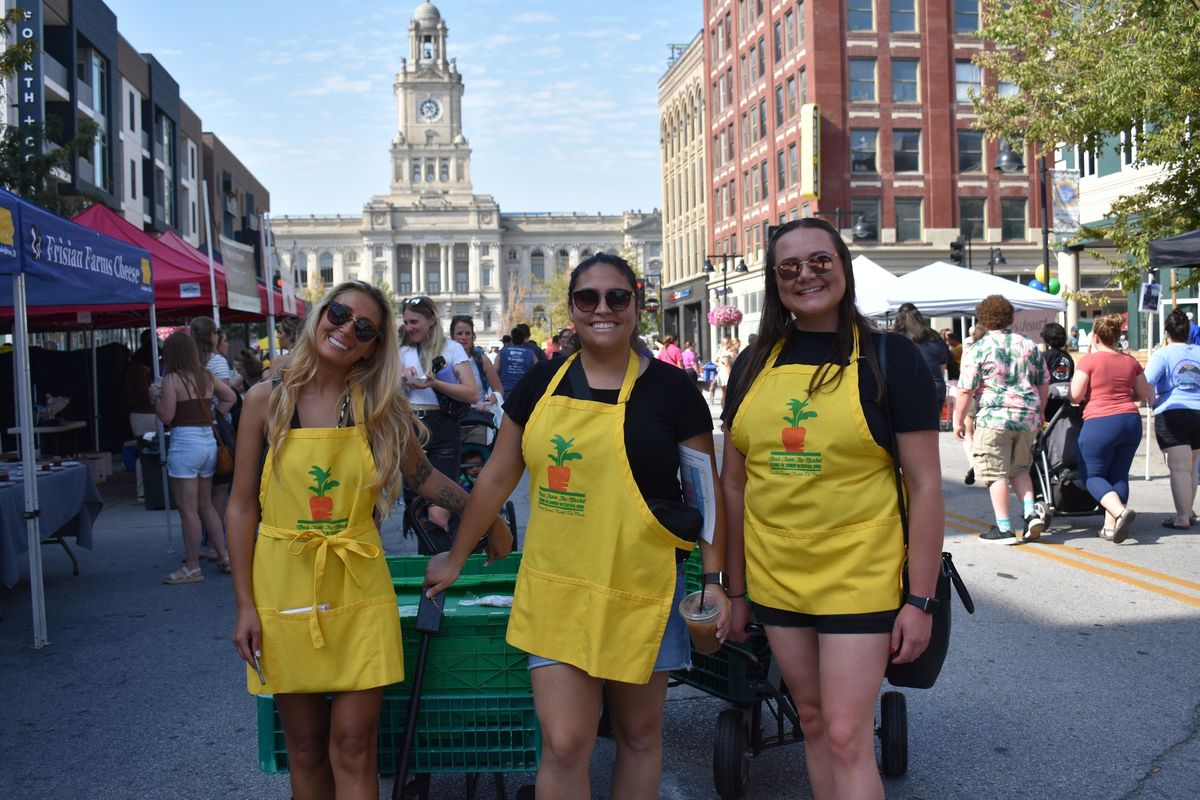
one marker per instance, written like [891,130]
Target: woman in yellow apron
[316,609]
[815,543]
[601,577]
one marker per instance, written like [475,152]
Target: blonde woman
[316,611]
[432,364]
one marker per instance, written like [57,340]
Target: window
[378,251]
[908,219]
[562,262]
[868,209]
[904,16]
[970,151]
[728,88]
[970,217]
[755,189]
[132,179]
[789,30]
[967,77]
[862,150]
[1012,219]
[762,56]
[132,113]
[781,169]
[404,255]
[763,169]
[537,265]
[860,15]
[862,80]
[1007,89]
[801,33]
[793,165]
[745,75]
[906,151]
[966,16]
[762,117]
[779,106]
[779,40]
[460,255]
[485,275]
[904,80]
[753,126]
[195,228]
[753,63]
[485,250]
[326,266]
[791,96]
[302,269]
[433,268]
[803,86]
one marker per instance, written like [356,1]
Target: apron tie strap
[342,546]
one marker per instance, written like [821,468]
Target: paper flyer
[699,487]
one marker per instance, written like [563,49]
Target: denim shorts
[192,452]
[674,653]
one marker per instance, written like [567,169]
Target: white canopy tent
[872,285]
[942,289]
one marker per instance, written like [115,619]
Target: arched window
[563,262]
[302,269]
[326,262]
[537,265]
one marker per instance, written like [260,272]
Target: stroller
[478,435]
[1058,483]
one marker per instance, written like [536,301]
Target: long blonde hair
[386,414]
[435,340]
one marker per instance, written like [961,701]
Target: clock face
[429,109]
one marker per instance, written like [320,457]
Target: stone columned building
[432,234]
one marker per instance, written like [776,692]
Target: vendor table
[59,427]
[69,503]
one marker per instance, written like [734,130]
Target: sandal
[1121,527]
[1106,534]
[223,566]
[1169,524]
[207,555]
[183,575]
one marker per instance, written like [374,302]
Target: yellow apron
[822,526]
[597,577]
[321,584]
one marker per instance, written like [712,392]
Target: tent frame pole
[29,463]
[158,429]
[212,270]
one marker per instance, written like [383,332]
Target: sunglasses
[416,302]
[338,315]
[790,270]
[587,300]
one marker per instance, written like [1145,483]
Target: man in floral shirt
[1006,375]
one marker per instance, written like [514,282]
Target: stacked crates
[476,711]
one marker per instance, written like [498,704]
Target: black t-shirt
[665,408]
[910,388]
[936,355]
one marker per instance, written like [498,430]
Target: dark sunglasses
[416,302]
[790,270]
[338,315]
[588,300]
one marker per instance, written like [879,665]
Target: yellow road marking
[1073,561]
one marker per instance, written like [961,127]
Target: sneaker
[996,536]
[1034,526]
[970,479]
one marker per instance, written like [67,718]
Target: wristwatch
[926,604]
[719,578]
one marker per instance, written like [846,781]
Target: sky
[560,107]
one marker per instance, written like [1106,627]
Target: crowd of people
[355,416]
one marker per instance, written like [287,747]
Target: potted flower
[725,316]
[558,475]
[793,435]
[321,506]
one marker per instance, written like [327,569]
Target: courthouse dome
[427,13]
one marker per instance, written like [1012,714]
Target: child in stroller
[478,433]
[1059,485]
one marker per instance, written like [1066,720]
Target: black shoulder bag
[454,409]
[922,673]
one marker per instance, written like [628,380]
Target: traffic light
[278,280]
[640,285]
[956,250]
[652,304]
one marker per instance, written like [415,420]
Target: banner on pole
[1064,192]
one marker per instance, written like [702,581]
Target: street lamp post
[725,259]
[996,258]
[1009,161]
[861,230]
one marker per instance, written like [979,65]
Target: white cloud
[334,84]
[534,17]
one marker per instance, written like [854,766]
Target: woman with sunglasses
[321,455]
[601,578]
[462,330]
[816,543]
[422,344]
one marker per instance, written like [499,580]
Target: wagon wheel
[893,734]
[731,755]
[1042,509]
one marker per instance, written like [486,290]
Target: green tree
[27,170]
[1089,71]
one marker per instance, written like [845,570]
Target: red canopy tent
[179,245]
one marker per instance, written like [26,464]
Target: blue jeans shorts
[674,653]
[192,452]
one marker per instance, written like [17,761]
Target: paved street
[1078,677]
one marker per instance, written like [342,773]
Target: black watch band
[719,578]
[926,604]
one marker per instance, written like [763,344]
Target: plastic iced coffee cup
[702,621]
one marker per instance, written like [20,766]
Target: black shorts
[1178,427]
[874,622]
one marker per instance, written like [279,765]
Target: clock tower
[430,156]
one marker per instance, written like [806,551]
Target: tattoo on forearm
[452,498]
[419,475]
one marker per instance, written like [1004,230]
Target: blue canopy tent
[47,262]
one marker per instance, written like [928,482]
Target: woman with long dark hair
[316,611]
[601,577]
[816,545]
[931,346]
[185,402]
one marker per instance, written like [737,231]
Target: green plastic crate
[469,654]
[455,733]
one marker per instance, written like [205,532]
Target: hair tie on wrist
[735,596]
